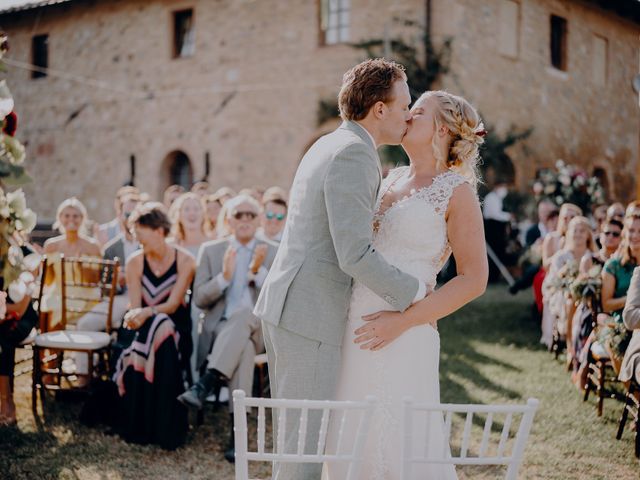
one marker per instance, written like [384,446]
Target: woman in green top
[616,276]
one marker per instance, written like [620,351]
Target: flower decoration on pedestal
[569,184]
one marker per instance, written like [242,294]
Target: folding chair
[486,453]
[84,283]
[631,407]
[352,458]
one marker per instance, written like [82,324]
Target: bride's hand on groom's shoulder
[380,329]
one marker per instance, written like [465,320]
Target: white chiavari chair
[302,409]
[504,450]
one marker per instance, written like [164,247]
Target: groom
[327,243]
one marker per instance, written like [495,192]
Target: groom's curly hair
[366,84]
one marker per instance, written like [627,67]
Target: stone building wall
[249,94]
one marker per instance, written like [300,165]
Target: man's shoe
[194,397]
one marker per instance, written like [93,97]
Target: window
[509,28]
[39,54]
[180,170]
[559,42]
[334,21]
[184,44]
[599,72]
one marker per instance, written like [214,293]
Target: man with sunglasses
[610,238]
[228,278]
[273,219]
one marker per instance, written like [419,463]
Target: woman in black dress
[152,370]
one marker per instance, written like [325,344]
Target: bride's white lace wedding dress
[412,235]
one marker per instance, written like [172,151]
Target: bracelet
[154,311]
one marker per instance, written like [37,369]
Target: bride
[424,213]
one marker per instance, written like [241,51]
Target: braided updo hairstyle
[466,131]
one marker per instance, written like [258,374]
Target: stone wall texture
[249,95]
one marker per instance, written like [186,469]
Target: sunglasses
[272,215]
[245,215]
[613,234]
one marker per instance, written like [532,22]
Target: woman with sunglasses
[273,218]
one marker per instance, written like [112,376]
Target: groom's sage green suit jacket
[327,242]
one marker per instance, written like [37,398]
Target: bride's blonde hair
[466,131]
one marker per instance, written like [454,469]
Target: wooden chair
[84,282]
[352,458]
[487,453]
[631,407]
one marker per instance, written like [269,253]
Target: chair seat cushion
[73,340]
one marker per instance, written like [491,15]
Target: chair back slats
[85,282]
[465,435]
[308,410]
[486,455]
[485,434]
[302,431]
[324,429]
[447,433]
[282,421]
[505,434]
[343,422]
[261,429]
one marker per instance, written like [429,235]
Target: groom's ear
[379,109]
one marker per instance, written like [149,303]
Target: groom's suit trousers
[302,369]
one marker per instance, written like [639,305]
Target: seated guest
[554,241]
[202,189]
[110,230]
[616,211]
[121,247]
[171,193]
[616,278]
[151,371]
[599,216]
[633,208]
[16,321]
[188,223]
[610,238]
[539,230]
[212,206]
[230,273]
[578,243]
[70,221]
[224,194]
[631,316]
[188,232]
[273,218]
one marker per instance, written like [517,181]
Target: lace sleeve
[441,190]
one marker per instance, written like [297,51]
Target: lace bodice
[412,233]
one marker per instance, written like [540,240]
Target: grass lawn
[490,354]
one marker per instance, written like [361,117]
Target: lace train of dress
[412,236]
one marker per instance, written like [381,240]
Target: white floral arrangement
[17,221]
[568,183]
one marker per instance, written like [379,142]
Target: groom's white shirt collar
[370,136]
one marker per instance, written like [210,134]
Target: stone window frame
[39,57]
[561,64]
[594,35]
[177,50]
[340,10]
[518,27]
